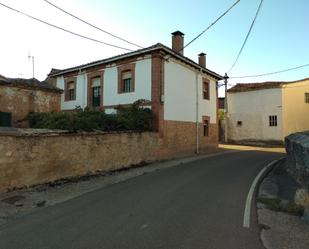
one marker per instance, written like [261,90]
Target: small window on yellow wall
[307,98]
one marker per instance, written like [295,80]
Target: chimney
[177,42]
[202,59]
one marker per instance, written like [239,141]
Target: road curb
[265,174]
[253,190]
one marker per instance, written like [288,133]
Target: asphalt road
[196,205]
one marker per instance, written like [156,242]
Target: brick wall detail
[157,90]
[180,139]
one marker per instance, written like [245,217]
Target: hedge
[133,117]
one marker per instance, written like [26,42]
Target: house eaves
[246,87]
[156,47]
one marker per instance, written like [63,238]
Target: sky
[279,38]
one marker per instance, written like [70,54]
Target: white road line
[247,213]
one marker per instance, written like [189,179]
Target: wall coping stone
[28,132]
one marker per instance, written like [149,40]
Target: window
[70,91]
[127,82]
[239,123]
[206,127]
[96,91]
[306,97]
[205,89]
[273,121]
[95,88]
[126,78]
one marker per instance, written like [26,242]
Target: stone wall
[179,138]
[297,148]
[21,101]
[32,156]
[32,159]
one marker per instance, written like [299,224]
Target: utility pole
[31,57]
[226,109]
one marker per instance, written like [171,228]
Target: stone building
[18,97]
[181,93]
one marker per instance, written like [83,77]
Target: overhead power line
[245,41]
[92,25]
[63,29]
[270,73]
[210,25]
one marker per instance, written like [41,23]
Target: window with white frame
[273,120]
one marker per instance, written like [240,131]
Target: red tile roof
[158,46]
[245,87]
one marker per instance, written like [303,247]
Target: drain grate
[13,199]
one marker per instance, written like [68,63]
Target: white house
[181,93]
[267,112]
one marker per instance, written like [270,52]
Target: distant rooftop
[245,87]
[29,83]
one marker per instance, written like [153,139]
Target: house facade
[181,93]
[267,112]
[18,97]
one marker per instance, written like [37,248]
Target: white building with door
[267,112]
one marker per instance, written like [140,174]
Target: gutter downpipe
[197,110]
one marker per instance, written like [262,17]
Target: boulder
[297,148]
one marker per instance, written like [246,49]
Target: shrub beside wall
[133,118]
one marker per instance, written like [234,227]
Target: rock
[9,153]
[302,197]
[269,188]
[41,203]
[306,215]
[297,148]
[18,204]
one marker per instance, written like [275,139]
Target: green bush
[133,117]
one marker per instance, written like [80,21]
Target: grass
[276,204]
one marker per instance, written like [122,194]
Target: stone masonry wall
[20,102]
[30,160]
[297,148]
